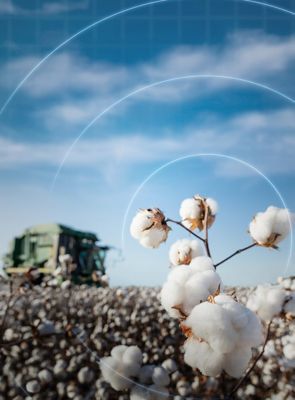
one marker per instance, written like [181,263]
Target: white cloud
[264,138]
[77,88]
[47,8]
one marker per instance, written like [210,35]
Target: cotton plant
[220,332]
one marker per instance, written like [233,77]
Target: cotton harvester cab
[47,247]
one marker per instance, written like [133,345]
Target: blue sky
[173,39]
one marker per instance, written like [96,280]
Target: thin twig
[206,230]
[236,253]
[187,229]
[256,359]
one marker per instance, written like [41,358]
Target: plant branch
[187,229]
[256,359]
[236,253]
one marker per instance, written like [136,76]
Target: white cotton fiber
[270,227]
[192,212]
[267,301]
[223,333]
[200,355]
[236,362]
[113,373]
[190,209]
[212,323]
[149,227]
[123,364]
[187,286]
[184,250]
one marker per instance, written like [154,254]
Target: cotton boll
[236,362]
[190,211]
[118,351]
[270,227]
[201,264]
[193,211]
[184,250]
[112,372]
[188,285]
[243,320]
[124,363]
[172,295]
[200,355]
[149,227]
[160,376]
[267,301]
[132,354]
[212,323]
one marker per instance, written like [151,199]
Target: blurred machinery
[55,249]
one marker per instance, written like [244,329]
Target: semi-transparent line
[108,17]
[245,163]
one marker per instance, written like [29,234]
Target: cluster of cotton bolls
[221,332]
[123,370]
[221,335]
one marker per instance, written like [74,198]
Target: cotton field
[58,343]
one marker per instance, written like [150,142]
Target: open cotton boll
[132,354]
[149,227]
[212,323]
[113,373]
[270,227]
[192,212]
[188,285]
[160,377]
[200,355]
[123,364]
[236,362]
[201,264]
[243,320]
[221,334]
[184,250]
[267,301]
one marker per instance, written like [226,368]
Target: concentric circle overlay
[109,17]
[208,155]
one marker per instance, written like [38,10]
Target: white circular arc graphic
[154,84]
[108,17]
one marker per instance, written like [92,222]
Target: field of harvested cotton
[62,343]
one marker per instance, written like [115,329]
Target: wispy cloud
[269,135]
[47,8]
[78,88]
